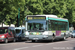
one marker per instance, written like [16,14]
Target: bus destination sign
[31,18]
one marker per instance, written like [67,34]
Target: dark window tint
[2,31]
[18,31]
[57,25]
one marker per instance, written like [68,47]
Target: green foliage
[34,7]
[10,10]
[61,8]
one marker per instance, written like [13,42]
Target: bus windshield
[37,25]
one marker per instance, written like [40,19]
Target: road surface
[68,44]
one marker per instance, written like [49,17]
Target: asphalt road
[68,44]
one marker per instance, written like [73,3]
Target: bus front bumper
[38,37]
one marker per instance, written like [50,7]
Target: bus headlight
[45,33]
[27,33]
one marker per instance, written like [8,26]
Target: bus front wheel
[53,38]
[64,37]
[33,40]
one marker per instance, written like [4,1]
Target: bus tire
[64,37]
[33,40]
[53,37]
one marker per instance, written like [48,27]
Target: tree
[34,7]
[12,17]
[71,11]
[61,8]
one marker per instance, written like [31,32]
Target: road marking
[10,43]
[60,42]
[38,45]
[7,44]
[21,48]
[72,40]
[3,44]
[42,45]
[49,43]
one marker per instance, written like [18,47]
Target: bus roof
[51,17]
[45,15]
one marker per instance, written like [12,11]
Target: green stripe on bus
[56,19]
[63,31]
[46,18]
[53,31]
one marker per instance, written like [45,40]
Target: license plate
[35,38]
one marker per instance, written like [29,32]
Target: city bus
[46,27]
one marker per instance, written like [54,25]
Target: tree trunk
[2,24]
[21,25]
[9,25]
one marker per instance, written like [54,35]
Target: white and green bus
[46,27]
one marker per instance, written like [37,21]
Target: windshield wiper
[41,30]
[30,30]
[36,30]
